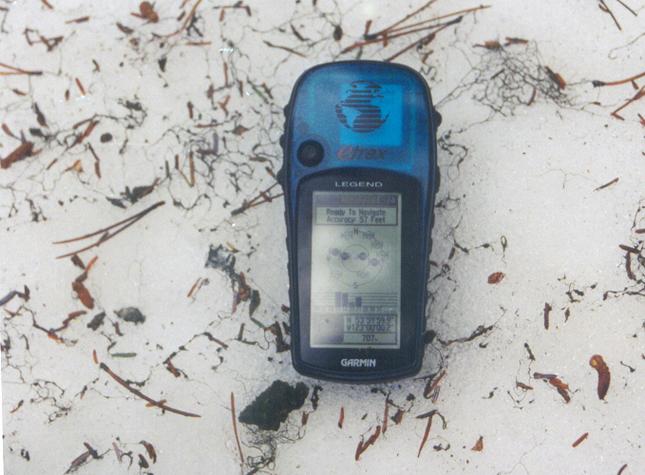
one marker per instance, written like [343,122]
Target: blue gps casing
[360,126]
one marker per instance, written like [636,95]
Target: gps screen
[356,270]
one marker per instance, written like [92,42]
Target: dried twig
[603,6]
[424,40]
[160,404]
[429,416]
[631,79]
[186,22]
[105,232]
[639,94]
[14,71]
[405,18]
[262,197]
[237,437]
[285,48]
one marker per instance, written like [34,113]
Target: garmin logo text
[358,184]
[358,363]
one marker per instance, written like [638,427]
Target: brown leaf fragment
[363,445]
[496,277]
[338,33]
[580,440]
[254,302]
[280,344]
[515,41]
[398,416]
[86,133]
[83,294]
[40,117]
[433,384]
[94,357]
[479,445]
[124,29]
[556,78]
[82,19]
[79,84]
[147,12]
[24,150]
[92,451]
[386,411]
[628,267]
[426,433]
[368,25]
[297,33]
[521,385]
[490,44]
[629,249]
[429,415]
[171,367]
[341,417]
[151,404]
[604,377]
[143,463]
[77,261]
[78,461]
[15,293]
[18,406]
[547,311]
[7,130]
[151,450]
[240,129]
[117,451]
[557,383]
[609,183]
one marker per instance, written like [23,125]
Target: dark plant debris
[557,383]
[363,445]
[131,314]
[580,440]
[273,405]
[479,445]
[604,376]
[496,277]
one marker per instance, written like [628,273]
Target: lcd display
[356,270]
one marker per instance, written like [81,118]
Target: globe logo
[361,109]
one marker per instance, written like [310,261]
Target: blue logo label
[370,114]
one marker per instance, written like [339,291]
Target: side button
[437,119]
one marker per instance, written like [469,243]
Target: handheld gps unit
[359,178]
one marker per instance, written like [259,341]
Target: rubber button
[437,119]
[310,153]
